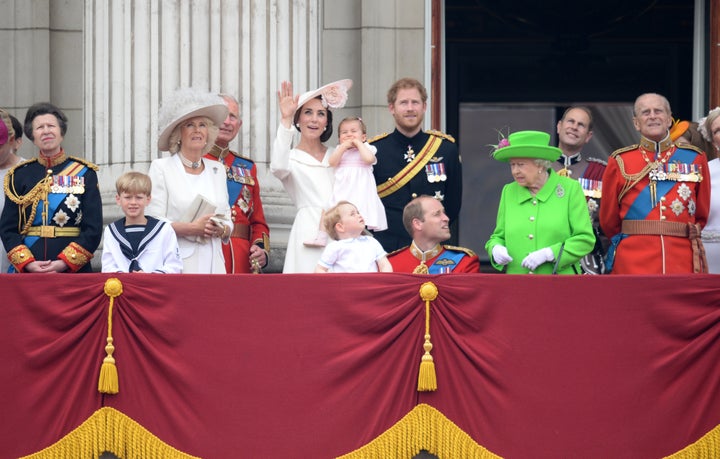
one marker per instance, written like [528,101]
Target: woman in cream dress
[188,190]
[304,170]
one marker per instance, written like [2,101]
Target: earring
[297,125]
[178,142]
[325,129]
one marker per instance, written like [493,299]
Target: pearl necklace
[191,164]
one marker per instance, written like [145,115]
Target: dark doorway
[555,51]
[517,64]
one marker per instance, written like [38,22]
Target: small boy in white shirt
[138,243]
[351,251]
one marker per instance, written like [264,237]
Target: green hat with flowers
[526,144]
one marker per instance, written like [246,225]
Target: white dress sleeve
[280,157]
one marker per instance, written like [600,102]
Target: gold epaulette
[597,160]
[21,163]
[378,137]
[459,249]
[84,161]
[398,250]
[623,150]
[441,134]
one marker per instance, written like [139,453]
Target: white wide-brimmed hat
[334,95]
[188,103]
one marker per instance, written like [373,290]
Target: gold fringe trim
[110,430]
[427,380]
[422,428]
[708,446]
[108,382]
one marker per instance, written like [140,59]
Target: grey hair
[544,163]
[229,96]
[665,102]
[174,139]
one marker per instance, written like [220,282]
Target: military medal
[653,184]
[430,172]
[410,154]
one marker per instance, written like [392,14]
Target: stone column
[137,52]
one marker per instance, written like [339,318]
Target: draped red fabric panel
[318,365]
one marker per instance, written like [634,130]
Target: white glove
[538,257]
[500,255]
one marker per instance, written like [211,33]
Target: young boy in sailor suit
[138,243]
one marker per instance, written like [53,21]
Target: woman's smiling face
[313,118]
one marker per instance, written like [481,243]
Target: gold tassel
[110,431]
[108,382]
[427,381]
[423,428]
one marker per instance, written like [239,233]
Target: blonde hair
[175,135]
[353,118]
[133,182]
[7,121]
[332,218]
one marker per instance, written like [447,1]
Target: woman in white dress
[304,170]
[188,190]
[710,129]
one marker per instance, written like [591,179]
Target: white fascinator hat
[188,103]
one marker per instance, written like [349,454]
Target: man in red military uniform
[656,198]
[425,220]
[249,242]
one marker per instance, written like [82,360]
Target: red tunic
[685,202]
[405,260]
[246,209]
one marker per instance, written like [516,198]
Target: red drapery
[319,365]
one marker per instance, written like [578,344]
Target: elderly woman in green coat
[543,225]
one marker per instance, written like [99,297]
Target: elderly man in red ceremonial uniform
[656,198]
[249,242]
[425,220]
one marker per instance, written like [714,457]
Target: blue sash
[235,187]
[446,262]
[640,209]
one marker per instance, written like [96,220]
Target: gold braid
[631,179]
[31,198]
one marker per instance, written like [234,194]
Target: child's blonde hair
[134,182]
[332,218]
[353,118]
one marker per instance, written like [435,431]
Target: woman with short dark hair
[52,220]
